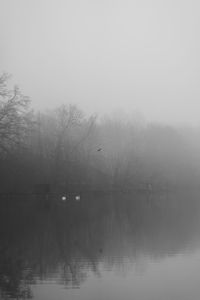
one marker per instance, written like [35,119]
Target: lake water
[117,246]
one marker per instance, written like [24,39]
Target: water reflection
[64,242]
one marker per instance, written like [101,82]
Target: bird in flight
[99,149]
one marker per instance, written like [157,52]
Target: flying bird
[99,149]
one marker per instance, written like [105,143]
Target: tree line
[66,148]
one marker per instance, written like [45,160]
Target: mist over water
[133,245]
[99,150]
[96,208]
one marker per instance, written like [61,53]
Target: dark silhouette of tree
[14,115]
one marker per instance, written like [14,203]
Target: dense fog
[68,149]
[99,150]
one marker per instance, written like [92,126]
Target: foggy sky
[105,55]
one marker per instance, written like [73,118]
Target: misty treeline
[66,148]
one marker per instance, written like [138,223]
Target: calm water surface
[119,246]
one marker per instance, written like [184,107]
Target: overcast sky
[106,55]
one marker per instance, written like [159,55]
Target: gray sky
[106,55]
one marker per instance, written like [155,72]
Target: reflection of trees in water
[66,242]
[15,278]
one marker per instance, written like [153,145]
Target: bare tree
[14,115]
